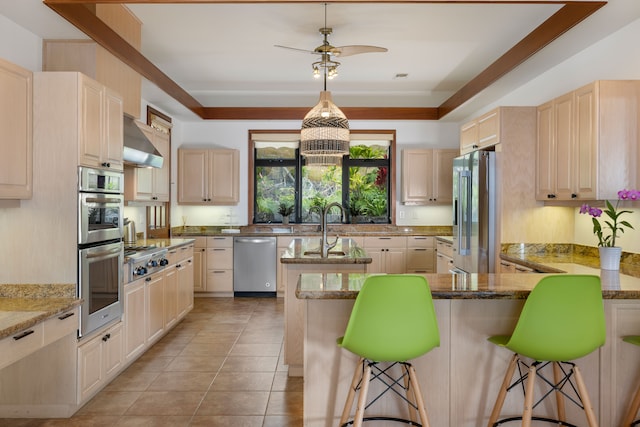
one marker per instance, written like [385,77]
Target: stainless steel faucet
[325,246]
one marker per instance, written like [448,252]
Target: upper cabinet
[16,143]
[427,176]
[481,132]
[586,141]
[81,115]
[150,184]
[208,177]
[93,60]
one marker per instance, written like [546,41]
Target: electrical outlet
[401,214]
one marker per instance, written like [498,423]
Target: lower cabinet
[420,254]
[184,271]
[155,299]
[99,360]
[444,257]
[388,254]
[200,264]
[220,265]
[170,297]
[135,319]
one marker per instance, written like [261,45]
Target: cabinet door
[154,306]
[443,264]
[489,129]
[135,318]
[113,138]
[443,175]
[545,153]
[469,137]
[185,286]
[586,141]
[224,177]
[220,281]
[199,269]
[420,260]
[161,176]
[170,296]
[395,261]
[91,122]
[113,350]
[90,367]
[377,259]
[417,176]
[192,176]
[16,143]
[564,138]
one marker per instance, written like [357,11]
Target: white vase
[610,257]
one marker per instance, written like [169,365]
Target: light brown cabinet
[200,264]
[185,286]
[150,184]
[481,132]
[586,141]
[99,359]
[420,254]
[208,177]
[96,62]
[427,177]
[135,319]
[388,254]
[16,143]
[220,265]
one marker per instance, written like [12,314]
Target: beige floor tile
[285,403]
[238,381]
[234,403]
[282,421]
[150,363]
[255,350]
[182,381]
[154,421]
[250,364]
[196,363]
[227,421]
[132,380]
[207,349]
[110,403]
[166,403]
[283,382]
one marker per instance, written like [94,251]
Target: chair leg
[497,407]
[348,404]
[557,377]
[362,398]
[410,393]
[584,396]
[417,393]
[633,409]
[528,397]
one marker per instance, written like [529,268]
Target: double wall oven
[100,247]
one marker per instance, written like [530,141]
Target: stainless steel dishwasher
[254,266]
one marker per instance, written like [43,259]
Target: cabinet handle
[148,279]
[419,249]
[384,238]
[551,196]
[574,196]
[419,238]
[219,249]
[218,271]
[24,334]
[203,250]
[106,337]
[505,264]
[106,165]
[66,316]
[178,265]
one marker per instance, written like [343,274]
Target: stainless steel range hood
[138,150]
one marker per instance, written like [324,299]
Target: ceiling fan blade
[356,50]
[299,50]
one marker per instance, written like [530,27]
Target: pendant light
[324,138]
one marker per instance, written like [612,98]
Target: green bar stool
[562,320]
[392,321]
[635,403]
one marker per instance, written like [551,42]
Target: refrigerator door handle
[464,213]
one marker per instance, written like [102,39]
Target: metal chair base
[406,387]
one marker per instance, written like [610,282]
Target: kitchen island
[303,256]
[461,378]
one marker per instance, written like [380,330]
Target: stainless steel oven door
[99,217]
[100,279]
[100,181]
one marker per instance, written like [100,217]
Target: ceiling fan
[326,50]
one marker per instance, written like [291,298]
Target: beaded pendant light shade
[325,130]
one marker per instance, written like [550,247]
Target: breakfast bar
[461,378]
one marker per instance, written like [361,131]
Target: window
[284,185]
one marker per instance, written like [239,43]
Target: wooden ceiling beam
[571,13]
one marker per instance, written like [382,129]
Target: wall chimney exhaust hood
[138,150]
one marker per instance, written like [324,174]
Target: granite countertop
[165,243]
[23,306]
[465,286]
[307,251]
[311,230]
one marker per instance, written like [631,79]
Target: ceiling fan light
[325,130]
[316,73]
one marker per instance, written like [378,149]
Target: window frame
[294,135]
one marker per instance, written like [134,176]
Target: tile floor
[221,366]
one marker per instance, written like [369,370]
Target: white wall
[235,134]
[19,45]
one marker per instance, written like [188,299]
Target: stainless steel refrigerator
[474,212]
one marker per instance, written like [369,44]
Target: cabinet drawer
[385,242]
[420,260]
[200,241]
[185,252]
[61,325]
[220,281]
[444,248]
[420,242]
[20,344]
[172,256]
[220,242]
[220,258]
